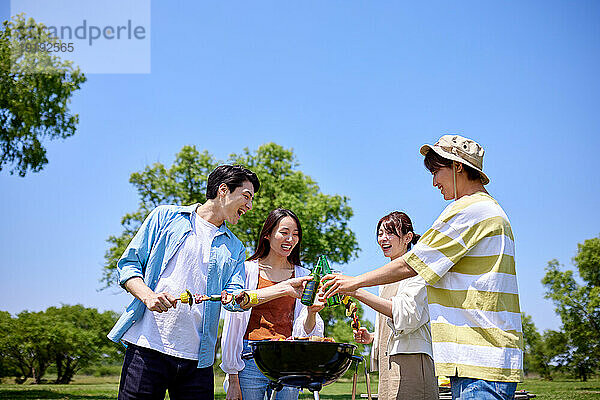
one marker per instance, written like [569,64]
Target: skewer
[201,298]
[351,312]
[187,298]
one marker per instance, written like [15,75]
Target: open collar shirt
[149,252]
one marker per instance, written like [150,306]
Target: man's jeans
[479,389]
[147,374]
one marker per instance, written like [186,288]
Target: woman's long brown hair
[263,247]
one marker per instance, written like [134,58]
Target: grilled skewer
[185,298]
[188,298]
[201,298]
[351,312]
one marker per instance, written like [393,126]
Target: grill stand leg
[354,379]
[367,378]
[316,395]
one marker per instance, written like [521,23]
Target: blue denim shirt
[155,243]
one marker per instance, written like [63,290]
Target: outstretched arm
[393,271]
[291,287]
[377,303]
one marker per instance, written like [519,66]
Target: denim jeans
[255,385]
[147,374]
[479,389]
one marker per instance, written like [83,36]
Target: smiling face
[442,179]
[392,245]
[284,237]
[236,203]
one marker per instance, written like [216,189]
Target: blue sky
[354,88]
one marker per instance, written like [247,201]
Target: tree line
[575,348]
[67,338]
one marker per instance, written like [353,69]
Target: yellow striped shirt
[468,259]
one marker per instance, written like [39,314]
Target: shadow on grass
[49,394]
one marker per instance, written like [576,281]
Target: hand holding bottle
[294,287]
[318,304]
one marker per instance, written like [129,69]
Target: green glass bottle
[335,299]
[312,286]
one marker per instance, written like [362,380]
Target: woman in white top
[276,259]
[401,348]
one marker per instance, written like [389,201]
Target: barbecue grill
[302,363]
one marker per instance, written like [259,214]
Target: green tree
[79,339]
[531,338]
[183,183]
[542,352]
[6,327]
[27,345]
[588,263]
[69,337]
[578,307]
[35,90]
[324,217]
[555,348]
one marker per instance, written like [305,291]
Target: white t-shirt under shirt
[176,332]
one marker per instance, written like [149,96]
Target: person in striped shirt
[467,260]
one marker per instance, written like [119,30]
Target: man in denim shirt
[179,248]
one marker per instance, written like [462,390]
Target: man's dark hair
[433,161]
[233,176]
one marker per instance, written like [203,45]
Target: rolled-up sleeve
[234,327]
[135,258]
[409,306]
[237,281]
[298,329]
[231,342]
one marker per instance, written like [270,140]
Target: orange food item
[312,338]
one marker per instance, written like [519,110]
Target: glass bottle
[312,286]
[335,299]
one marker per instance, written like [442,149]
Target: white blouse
[411,331]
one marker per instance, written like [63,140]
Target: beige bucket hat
[460,149]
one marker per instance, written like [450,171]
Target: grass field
[92,388]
